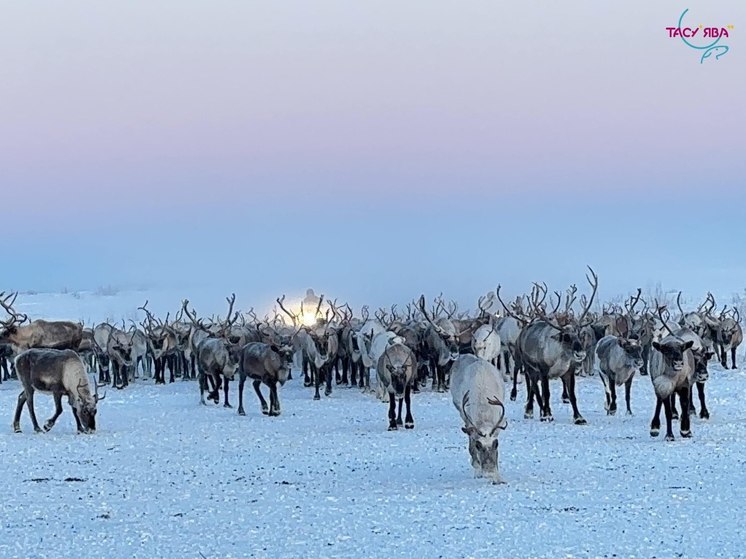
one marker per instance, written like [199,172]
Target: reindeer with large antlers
[441,343]
[547,351]
[59,373]
[163,345]
[478,394]
[39,333]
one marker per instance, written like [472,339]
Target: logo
[708,36]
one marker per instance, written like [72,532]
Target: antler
[496,402]
[633,300]
[292,316]
[522,320]
[7,304]
[678,303]
[660,309]
[594,283]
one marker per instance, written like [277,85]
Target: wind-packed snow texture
[166,477]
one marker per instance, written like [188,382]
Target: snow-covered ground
[166,477]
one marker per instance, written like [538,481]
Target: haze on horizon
[371,150]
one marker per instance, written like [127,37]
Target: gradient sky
[372,150]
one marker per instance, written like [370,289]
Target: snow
[166,477]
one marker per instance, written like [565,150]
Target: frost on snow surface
[167,477]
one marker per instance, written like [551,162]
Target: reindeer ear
[468,430]
[657,346]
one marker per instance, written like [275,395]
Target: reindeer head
[483,447]
[632,351]
[673,350]
[85,406]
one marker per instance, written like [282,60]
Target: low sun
[309,319]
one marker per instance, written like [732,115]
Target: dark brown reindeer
[39,333]
[59,373]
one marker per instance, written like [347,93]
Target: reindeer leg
[692,407]
[57,412]
[655,424]
[258,390]
[516,369]
[546,409]
[392,412]
[274,400]
[685,426]
[19,410]
[612,391]
[669,417]
[565,395]
[241,382]
[628,393]
[577,418]
[31,411]
[408,419]
[306,367]
[674,411]
[327,368]
[202,386]
[528,412]
[703,412]
[77,419]
[226,403]
[733,357]
[398,417]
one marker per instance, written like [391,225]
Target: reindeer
[268,364]
[163,345]
[39,333]
[319,345]
[478,394]
[728,337]
[396,370]
[60,373]
[547,350]
[441,343]
[672,370]
[617,361]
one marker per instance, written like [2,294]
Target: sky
[371,150]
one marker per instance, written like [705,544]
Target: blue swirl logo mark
[709,50]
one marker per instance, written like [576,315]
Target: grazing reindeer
[478,393]
[60,373]
[617,361]
[39,333]
[672,370]
[396,369]
[264,363]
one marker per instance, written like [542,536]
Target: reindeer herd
[536,338]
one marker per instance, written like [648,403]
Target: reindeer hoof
[704,414]
[327,392]
[48,426]
[274,413]
[565,400]
[17,430]
[654,431]
[513,395]
[528,415]
[409,425]
[227,405]
[307,383]
[686,434]
[670,438]
[316,397]
[675,416]
[582,420]
[38,430]
[393,427]
[241,412]
[629,413]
